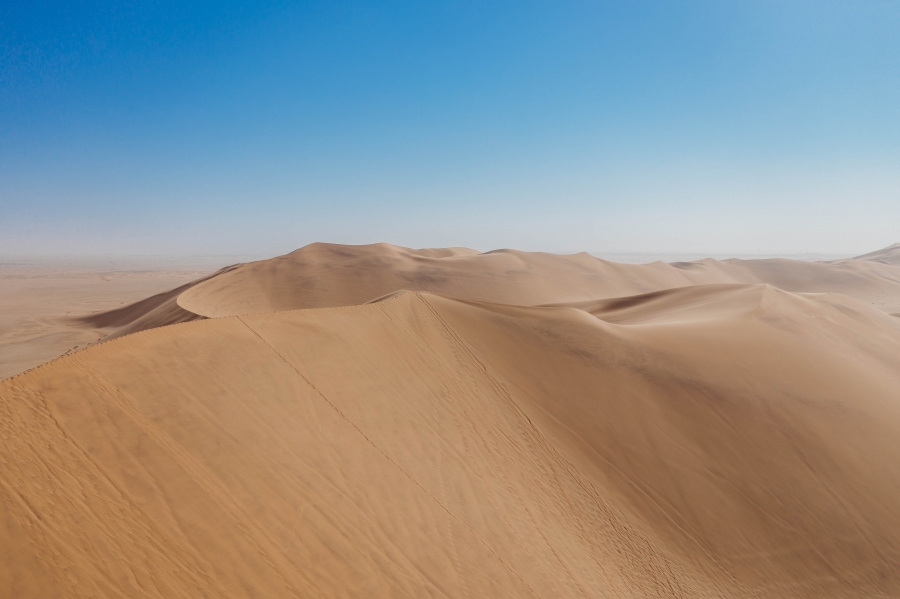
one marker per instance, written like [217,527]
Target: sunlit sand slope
[737,442]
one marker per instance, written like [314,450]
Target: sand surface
[40,300]
[888,255]
[705,439]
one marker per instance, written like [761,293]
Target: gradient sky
[647,126]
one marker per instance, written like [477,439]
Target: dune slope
[874,283]
[157,310]
[888,255]
[750,428]
[40,301]
[726,441]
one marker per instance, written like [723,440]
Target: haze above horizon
[640,128]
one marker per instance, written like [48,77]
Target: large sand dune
[322,275]
[714,441]
[327,275]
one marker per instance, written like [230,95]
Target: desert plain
[379,421]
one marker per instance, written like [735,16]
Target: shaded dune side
[155,311]
[682,304]
[855,278]
[422,446]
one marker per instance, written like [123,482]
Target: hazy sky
[184,127]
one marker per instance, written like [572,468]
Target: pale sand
[700,440]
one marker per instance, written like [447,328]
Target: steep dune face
[699,303]
[155,311]
[723,441]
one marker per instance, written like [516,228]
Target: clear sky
[719,126]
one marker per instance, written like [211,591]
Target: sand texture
[707,439]
[43,305]
[888,255]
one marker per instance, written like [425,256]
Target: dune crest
[155,311]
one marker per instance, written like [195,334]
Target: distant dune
[889,255]
[327,275]
[649,431]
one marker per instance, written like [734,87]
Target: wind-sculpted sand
[323,275]
[723,440]
[327,275]
[43,302]
[888,255]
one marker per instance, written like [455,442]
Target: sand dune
[516,424]
[155,311]
[750,428]
[327,275]
[324,275]
[874,283]
[888,255]
[42,302]
[717,441]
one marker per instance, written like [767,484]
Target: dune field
[377,421]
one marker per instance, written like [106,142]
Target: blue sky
[646,126]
